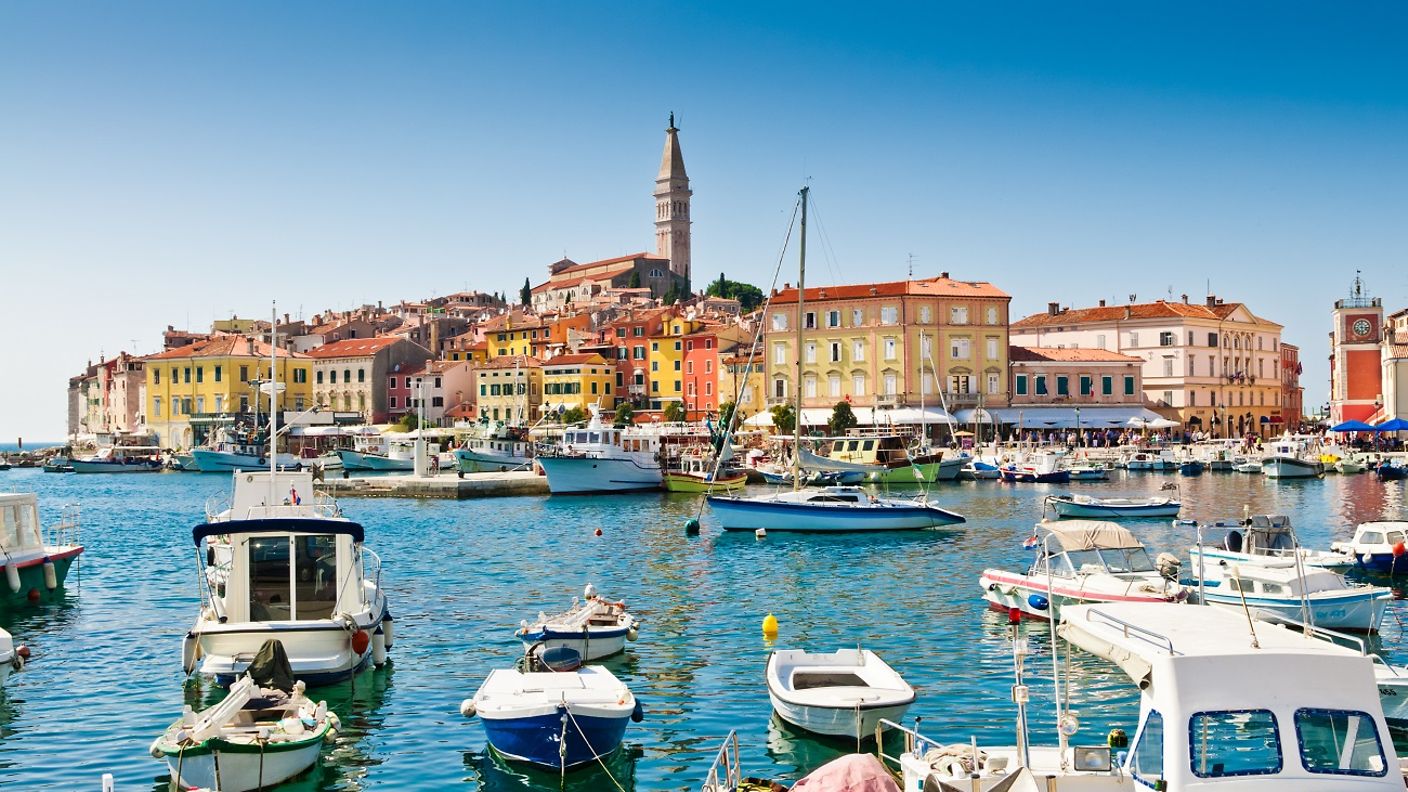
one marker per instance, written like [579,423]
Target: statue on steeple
[671,128]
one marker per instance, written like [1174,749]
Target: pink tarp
[852,773]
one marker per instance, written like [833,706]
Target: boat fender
[632,632]
[12,577]
[691,526]
[189,647]
[51,575]
[360,641]
[330,736]
[467,708]
[1039,602]
[1367,557]
[379,648]
[386,621]
[333,720]
[637,713]
[17,662]
[155,749]
[1398,550]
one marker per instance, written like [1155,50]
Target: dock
[446,486]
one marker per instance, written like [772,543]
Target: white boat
[1350,465]
[555,719]
[1077,505]
[36,558]
[505,450]
[239,449]
[1292,592]
[253,739]
[1089,471]
[1289,458]
[1262,539]
[1082,561]
[602,458]
[838,508]
[1377,546]
[121,459]
[1248,466]
[841,694]
[594,627]
[11,657]
[1162,460]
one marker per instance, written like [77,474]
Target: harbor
[441,486]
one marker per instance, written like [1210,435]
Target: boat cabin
[19,524]
[1283,581]
[839,495]
[596,440]
[1387,533]
[1264,535]
[869,450]
[1085,547]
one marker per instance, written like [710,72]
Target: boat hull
[850,722]
[1290,467]
[208,461]
[1098,511]
[592,645]
[32,587]
[1090,474]
[1350,612]
[94,466]
[379,462]
[236,767]
[1019,476]
[320,653]
[915,475]
[740,514]
[537,739]
[689,482]
[1005,591]
[585,475]
[474,461]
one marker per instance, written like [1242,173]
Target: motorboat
[280,561]
[239,449]
[594,627]
[1313,594]
[1389,471]
[12,658]
[1191,467]
[696,470]
[120,459]
[390,454]
[1040,468]
[182,462]
[603,458]
[1289,458]
[1083,561]
[501,451]
[883,459]
[36,559]
[1392,680]
[58,463]
[1162,460]
[838,508]
[980,470]
[1077,505]
[845,693]
[1377,546]
[1262,539]
[1088,471]
[1252,466]
[555,719]
[254,738]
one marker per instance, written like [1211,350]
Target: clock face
[1362,327]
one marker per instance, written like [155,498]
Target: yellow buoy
[770,626]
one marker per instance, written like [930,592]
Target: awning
[763,418]
[1043,417]
[878,416]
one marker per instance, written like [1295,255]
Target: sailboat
[838,508]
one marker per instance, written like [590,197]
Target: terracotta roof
[1020,354]
[1110,313]
[513,361]
[577,359]
[573,275]
[462,410]
[353,347]
[226,346]
[931,287]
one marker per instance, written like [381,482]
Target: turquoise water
[106,679]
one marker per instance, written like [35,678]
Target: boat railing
[325,505]
[64,533]
[726,773]
[1132,630]
[375,566]
[1330,636]
[912,740]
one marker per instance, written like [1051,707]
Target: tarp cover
[1090,534]
[270,667]
[1084,635]
[850,773]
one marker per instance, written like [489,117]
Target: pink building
[446,383]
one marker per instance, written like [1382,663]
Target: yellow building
[577,381]
[514,334]
[510,389]
[747,380]
[666,359]
[192,389]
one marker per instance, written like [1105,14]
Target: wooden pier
[446,486]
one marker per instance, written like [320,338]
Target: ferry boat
[282,562]
[36,559]
[121,459]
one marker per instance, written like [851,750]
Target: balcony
[955,400]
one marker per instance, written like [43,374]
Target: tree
[842,418]
[672,295]
[748,296]
[525,294]
[784,418]
[726,411]
[674,412]
[574,415]
[634,282]
[409,422]
[624,412]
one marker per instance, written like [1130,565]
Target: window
[1128,385]
[393,384]
[779,321]
[779,353]
[1041,386]
[1107,386]
[677,346]
[1212,339]
[200,373]
[1234,743]
[200,405]
[347,375]
[217,373]
[654,365]
[639,330]
[269,575]
[300,375]
[1100,341]
[620,332]
[156,376]
[959,348]
[810,352]
[833,385]
[186,374]
[1063,385]
[858,385]
[992,315]
[638,352]
[809,387]
[1147,761]
[1168,366]
[835,351]
[958,314]
[1021,384]
[1087,385]
[994,382]
[779,388]
[156,407]
[1134,339]
[889,349]
[654,346]
[960,383]
[394,405]
[1166,339]
[689,369]
[708,389]
[857,351]
[297,403]
[924,314]
[889,315]
[992,349]
[890,383]
[857,317]
[809,321]
[1339,742]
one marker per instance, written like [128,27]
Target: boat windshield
[284,591]
[1114,560]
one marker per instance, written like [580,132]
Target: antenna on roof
[911,266]
[1133,297]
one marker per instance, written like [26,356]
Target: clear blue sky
[167,163]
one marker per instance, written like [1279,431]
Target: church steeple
[672,195]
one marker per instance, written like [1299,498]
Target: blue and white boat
[1295,593]
[595,627]
[1377,546]
[1076,505]
[555,719]
[1191,467]
[1262,539]
[828,509]
[121,459]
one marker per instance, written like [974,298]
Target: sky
[173,163]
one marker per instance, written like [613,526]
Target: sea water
[106,679]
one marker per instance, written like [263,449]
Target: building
[577,381]
[513,333]
[1292,394]
[351,375]
[193,389]
[1357,343]
[121,383]
[442,384]
[510,389]
[334,328]
[629,335]
[704,351]
[1065,388]
[743,382]
[935,342]
[1214,366]
[672,194]
[666,361]
[1393,403]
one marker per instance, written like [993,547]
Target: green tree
[672,295]
[574,415]
[784,418]
[624,412]
[634,282]
[748,295]
[525,294]
[674,412]
[726,411]
[842,418]
[408,422]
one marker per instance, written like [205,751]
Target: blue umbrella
[1396,425]
[1353,426]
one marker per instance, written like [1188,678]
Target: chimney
[1126,312]
[1185,299]
[874,291]
[1102,303]
[1053,308]
[1211,301]
[823,294]
[943,275]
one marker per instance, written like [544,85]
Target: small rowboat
[1112,508]
[595,627]
[841,694]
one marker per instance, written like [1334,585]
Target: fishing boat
[595,627]
[11,657]
[555,719]
[239,449]
[1088,471]
[1377,546]
[1083,561]
[1039,468]
[58,463]
[121,459]
[36,559]
[883,459]
[838,508]
[500,451]
[254,738]
[1191,467]
[845,693]
[1313,594]
[1261,539]
[1077,505]
[1162,460]
[603,458]
[1252,466]
[1288,458]
[696,471]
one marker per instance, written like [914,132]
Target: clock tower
[1356,373]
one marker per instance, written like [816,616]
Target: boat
[1162,460]
[1377,546]
[12,657]
[1388,471]
[1088,471]
[58,464]
[1083,561]
[1391,679]
[1248,466]
[554,719]
[239,449]
[595,627]
[1288,458]
[384,454]
[696,471]
[1350,465]
[979,470]
[506,450]
[603,458]
[845,693]
[837,508]
[1191,467]
[120,459]
[1262,539]
[255,738]
[1076,505]
[883,459]
[1314,594]
[1039,468]
[36,559]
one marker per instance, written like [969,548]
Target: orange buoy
[598,532]
[1398,549]
[360,641]
[33,595]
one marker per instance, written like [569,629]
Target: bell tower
[672,205]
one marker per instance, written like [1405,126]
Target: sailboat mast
[797,382]
[273,394]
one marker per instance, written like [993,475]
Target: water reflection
[494,772]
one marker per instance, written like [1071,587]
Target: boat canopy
[1089,535]
[304,525]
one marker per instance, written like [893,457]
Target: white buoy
[467,708]
[761,533]
[632,633]
[386,630]
[379,648]
[51,575]
[107,781]
[188,653]
[12,577]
